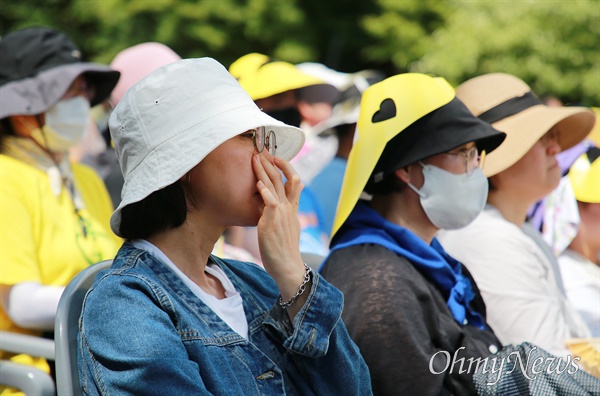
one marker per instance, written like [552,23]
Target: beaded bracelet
[301,289]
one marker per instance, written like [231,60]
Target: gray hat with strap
[37,66]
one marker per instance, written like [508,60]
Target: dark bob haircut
[159,211]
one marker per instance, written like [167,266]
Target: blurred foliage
[402,30]
[553,45]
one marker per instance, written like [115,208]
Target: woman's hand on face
[279,227]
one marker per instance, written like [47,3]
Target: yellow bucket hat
[412,96]
[584,176]
[262,77]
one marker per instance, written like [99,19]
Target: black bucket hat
[403,119]
[37,66]
[440,131]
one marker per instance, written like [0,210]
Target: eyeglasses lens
[259,139]
[272,143]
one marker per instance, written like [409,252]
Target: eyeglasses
[262,139]
[471,158]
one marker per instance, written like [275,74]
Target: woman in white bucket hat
[198,156]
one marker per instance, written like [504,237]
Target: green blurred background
[552,45]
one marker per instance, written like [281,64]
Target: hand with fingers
[279,227]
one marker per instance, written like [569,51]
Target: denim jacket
[143,332]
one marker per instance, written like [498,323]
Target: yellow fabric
[41,237]
[585,179]
[10,392]
[588,349]
[261,77]
[414,96]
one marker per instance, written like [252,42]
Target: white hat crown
[170,120]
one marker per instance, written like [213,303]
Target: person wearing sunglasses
[414,169]
[517,272]
[198,156]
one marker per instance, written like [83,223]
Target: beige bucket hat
[510,106]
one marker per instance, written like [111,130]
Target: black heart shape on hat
[387,110]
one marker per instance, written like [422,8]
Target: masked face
[452,201]
[66,124]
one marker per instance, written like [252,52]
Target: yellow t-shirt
[42,239]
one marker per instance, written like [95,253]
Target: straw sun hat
[510,106]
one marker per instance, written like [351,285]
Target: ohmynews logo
[494,364]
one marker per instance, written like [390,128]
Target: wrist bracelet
[301,289]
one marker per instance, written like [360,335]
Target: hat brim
[373,136]
[275,78]
[527,127]
[158,170]
[444,129]
[37,94]
[594,135]
[325,127]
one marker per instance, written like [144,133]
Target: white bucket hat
[169,121]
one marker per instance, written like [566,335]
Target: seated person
[198,156]
[418,158]
[515,269]
[580,262]
[54,214]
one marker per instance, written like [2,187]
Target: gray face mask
[452,201]
[66,123]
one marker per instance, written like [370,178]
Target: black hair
[343,130]
[159,211]
[6,129]
[389,184]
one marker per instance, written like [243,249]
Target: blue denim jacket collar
[257,312]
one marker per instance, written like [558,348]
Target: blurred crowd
[452,218]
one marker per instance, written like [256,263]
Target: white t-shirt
[230,309]
[520,286]
[581,278]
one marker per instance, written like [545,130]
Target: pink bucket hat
[137,62]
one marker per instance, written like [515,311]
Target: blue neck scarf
[366,226]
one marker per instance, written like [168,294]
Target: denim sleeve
[128,343]
[321,345]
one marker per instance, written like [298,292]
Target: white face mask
[452,201]
[66,124]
